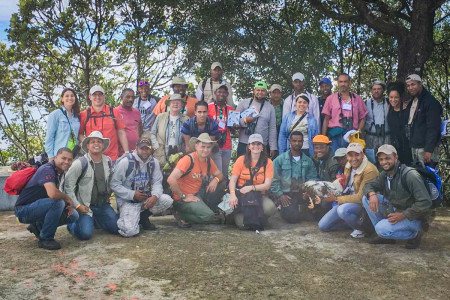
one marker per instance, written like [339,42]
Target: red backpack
[15,183]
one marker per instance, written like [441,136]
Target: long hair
[400,88]
[262,161]
[76,105]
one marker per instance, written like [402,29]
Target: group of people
[130,151]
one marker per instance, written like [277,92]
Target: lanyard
[220,112]
[260,110]
[340,104]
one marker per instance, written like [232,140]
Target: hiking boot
[183,224]
[33,229]
[379,240]
[49,244]
[145,222]
[415,242]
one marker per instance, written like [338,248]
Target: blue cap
[325,80]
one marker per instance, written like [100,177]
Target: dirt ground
[221,262]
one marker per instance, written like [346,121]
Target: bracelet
[233,192]
[76,207]
[217,178]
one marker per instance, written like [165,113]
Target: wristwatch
[183,196]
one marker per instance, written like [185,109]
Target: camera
[347,123]
[222,138]
[250,129]
[148,193]
[379,129]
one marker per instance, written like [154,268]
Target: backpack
[191,166]
[111,115]
[134,164]
[15,183]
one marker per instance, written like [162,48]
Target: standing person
[179,86]
[377,127]
[327,167]
[358,171]
[325,87]
[291,169]
[264,124]
[299,83]
[137,183]
[397,119]
[299,120]
[343,111]
[63,124]
[251,177]
[87,184]
[424,122]
[206,88]
[132,119]
[166,135]
[145,104]
[42,205]
[218,111]
[397,201]
[101,117]
[276,94]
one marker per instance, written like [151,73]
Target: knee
[323,226]
[84,235]
[239,220]
[290,214]
[269,207]
[383,228]
[59,205]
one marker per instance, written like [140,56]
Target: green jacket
[414,201]
[327,167]
[285,167]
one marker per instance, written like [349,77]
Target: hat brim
[169,100]
[195,140]
[106,143]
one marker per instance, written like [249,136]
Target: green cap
[260,84]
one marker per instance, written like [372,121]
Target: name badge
[222,124]
[347,106]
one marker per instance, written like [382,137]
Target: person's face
[298,85]
[275,95]
[128,99]
[387,162]
[95,146]
[377,91]
[97,99]
[342,161]
[355,159]
[321,149]
[256,147]
[302,105]
[414,87]
[144,152]
[203,149]
[394,99]
[144,91]
[216,73]
[63,161]
[221,95]
[201,113]
[175,105]
[179,89]
[344,84]
[260,93]
[68,98]
[296,142]
[325,89]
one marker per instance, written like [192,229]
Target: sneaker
[33,229]
[49,244]
[357,234]
[379,240]
[415,242]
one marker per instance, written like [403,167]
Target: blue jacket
[58,131]
[283,137]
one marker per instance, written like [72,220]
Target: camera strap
[298,122]
[373,113]
[340,104]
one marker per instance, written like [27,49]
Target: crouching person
[251,176]
[397,201]
[87,183]
[137,184]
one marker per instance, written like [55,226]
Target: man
[198,124]
[264,123]
[325,87]
[179,86]
[206,88]
[277,102]
[298,82]
[291,169]
[101,117]
[145,105]
[424,122]
[132,119]
[341,157]
[343,111]
[197,184]
[42,205]
[327,167]
[376,128]
[137,184]
[397,201]
[87,183]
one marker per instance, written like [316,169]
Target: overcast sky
[7,8]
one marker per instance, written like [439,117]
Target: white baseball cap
[298,76]
[96,88]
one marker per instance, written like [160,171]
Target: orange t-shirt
[243,172]
[190,106]
[191,183]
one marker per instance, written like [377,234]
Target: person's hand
[285,200]
[68,201]
[331,197]
[69,210]
[139,196]
[191,198]
[395,217]
[250,119]
[317,200]
[427,157]
[212,186]
[374,204]
[233,201]
[273,153]
[311,203]
[150,202]
[246,189]
[83,209]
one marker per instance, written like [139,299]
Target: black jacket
[426,126]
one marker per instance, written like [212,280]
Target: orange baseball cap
[321,139]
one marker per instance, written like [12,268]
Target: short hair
[345,74]
[296,133]
[63,149]
[126,90]
[200,103]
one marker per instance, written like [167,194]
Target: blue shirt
[146,107]
[211,127]
[58,130]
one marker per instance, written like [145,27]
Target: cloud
[7,8]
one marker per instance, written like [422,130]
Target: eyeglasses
[141,83]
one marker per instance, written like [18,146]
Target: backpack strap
[111,115]
[191,166]
[84,166]
[192,126]
[203,89]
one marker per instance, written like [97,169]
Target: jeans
[46,214]
[103,216]
[222,160]
[338,141]
[403,230]
[342,216]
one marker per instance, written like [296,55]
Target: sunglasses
[141,83]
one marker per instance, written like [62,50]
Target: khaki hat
[298,76]
[204,138]
[341,152]
[354,147]
[413,77]
[215,65]
[274,87]
[179,80]
[96,88]
[95,134]
[175,97]
[387,149]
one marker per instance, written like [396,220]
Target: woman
[251,176]
[63,124]
[301,121]
[397,119]
[165,134]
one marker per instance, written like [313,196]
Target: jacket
[58,131]
[414,202]
[364,173]
[283,137]
[327,167]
